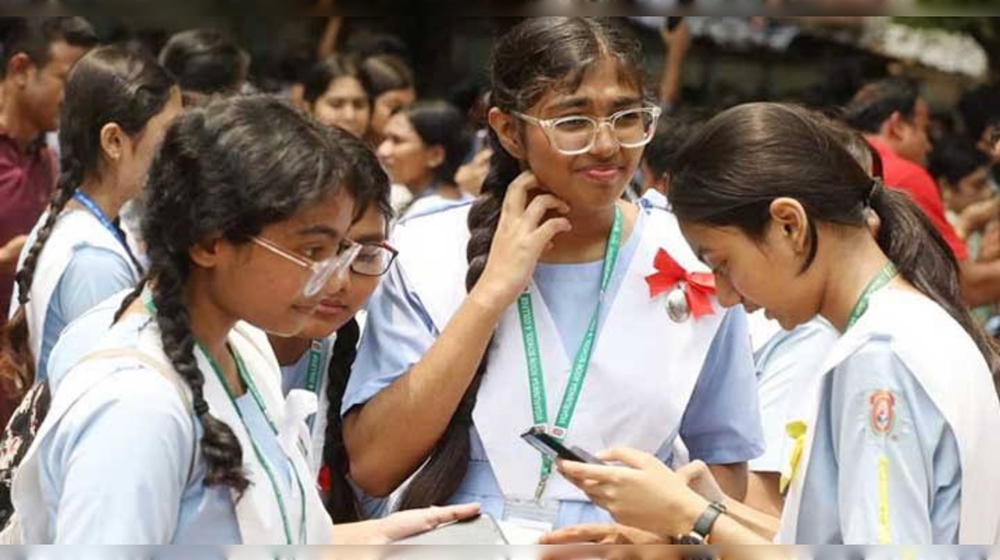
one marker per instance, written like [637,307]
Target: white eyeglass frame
[322,271]
[548,127]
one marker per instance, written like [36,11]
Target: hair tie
[200,408]
[876,190]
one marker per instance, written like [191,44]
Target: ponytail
[924,259]
[744,158]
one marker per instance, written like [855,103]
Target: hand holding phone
[554,449]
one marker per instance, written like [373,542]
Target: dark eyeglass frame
[393,252]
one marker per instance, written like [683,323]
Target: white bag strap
[166,371]
[12,534]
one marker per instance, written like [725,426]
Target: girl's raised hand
[526,229]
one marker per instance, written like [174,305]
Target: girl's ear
[790,216]
[206,253]
[113,140]
[505,125]
[435,156]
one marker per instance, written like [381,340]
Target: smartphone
[553,448]
[479,530]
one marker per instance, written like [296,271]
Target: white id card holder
[531,514]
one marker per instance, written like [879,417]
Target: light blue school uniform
[784,359]
[431,203]
[80,337]
[922,461]
[92,275]
[717,427]
[296,376]
[117,468]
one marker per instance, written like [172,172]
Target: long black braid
[341,501]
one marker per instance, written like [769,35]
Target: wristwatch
[703,526]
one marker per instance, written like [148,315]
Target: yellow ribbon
[797,431]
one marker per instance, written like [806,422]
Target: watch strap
[703,526]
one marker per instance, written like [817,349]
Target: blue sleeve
[80,337]
[882,422]
[115,469]
[785,358]
[722,422]
[93,275]
[398,332]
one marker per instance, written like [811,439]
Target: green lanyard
[884,276]
[315,363]
[532,354]
[252,388]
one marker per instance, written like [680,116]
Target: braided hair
[341,501]
[529,61]
[228,170]
[369,185]
[108,85]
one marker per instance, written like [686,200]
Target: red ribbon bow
[699,287]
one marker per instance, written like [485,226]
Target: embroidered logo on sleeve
[882,413]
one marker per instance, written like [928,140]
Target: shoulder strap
[166,371]
[38,396]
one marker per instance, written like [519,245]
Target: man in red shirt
[37,54]
[894,120]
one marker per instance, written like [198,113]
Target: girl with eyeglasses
[318,359]
[174,430]
[533,306]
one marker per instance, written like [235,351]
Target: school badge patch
[881,412]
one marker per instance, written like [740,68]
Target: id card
[531,514]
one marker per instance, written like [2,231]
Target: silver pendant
[677,305]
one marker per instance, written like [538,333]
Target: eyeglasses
[577,134]
[374,259]
[322,271]
[365,259]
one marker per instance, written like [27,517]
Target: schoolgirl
[424,146]
[174,429]
[337,93]
[319,358]
[897,436]
[116,109]
[570,284]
